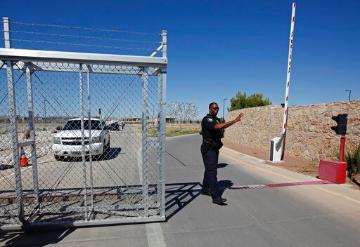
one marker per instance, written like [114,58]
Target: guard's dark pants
[210,157]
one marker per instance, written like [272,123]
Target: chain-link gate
[82,138]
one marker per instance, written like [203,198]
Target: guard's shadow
[179,195]
[224,184]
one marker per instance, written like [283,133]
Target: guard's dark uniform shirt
[211,136]
[210,154]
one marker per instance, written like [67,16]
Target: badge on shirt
[210,119]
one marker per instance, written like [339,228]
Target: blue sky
[216,48]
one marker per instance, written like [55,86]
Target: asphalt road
[283,215]
[118,166]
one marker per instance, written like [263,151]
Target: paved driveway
[290,213]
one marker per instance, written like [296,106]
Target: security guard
[212,131]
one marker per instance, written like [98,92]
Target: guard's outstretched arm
[228,123]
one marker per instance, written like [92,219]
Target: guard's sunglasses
[215,108]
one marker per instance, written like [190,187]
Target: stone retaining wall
[309,134]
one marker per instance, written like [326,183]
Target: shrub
[353,161]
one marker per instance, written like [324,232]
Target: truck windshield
[76,125]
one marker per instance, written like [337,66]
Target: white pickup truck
[68,143]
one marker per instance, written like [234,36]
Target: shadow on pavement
[34,237]
[179,195]
[112,153]
[4,167]
[224,184]
[222,165]
[175,158]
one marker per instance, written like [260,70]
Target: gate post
[13,124]
[82,139]
[32,134]
[90,138]
[144,141]
[14,139]
[162,128]
[6,24]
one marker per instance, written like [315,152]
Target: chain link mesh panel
[8,207]
[92,137]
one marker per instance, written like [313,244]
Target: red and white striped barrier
[291,42]
[277,146]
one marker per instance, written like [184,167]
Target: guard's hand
[238,118]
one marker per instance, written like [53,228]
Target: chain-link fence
[82,138]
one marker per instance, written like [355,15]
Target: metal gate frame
[29,61]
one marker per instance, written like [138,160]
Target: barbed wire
[78,44]
[83,28]
[74,37]
[82,36]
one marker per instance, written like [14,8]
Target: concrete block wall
[309,134]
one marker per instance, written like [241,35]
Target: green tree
[241,100]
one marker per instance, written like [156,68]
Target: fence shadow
[34,237]
[179,195]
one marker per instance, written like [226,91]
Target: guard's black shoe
[205,192]
[219,201]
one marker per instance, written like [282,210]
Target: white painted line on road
[287,177]
[154,235]
[338,194]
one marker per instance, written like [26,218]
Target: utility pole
[44,110]
[349,90]
[224,108]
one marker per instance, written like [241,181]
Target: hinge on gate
[31,66]
[4,63]
[88,66]
[142,71]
